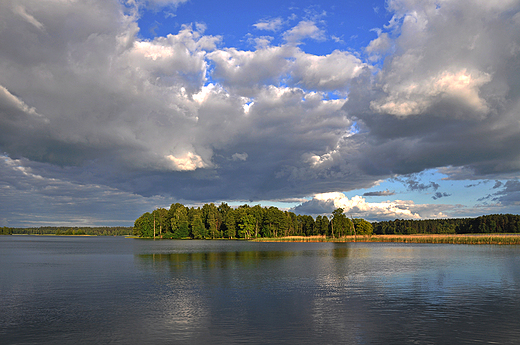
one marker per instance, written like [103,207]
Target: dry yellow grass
[416,238]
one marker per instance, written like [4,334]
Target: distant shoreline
[53,235]
[85,235]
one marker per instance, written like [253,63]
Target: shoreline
[49,235]
[495,239]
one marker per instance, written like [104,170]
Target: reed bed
[418,238]
[452,239]
[318,238]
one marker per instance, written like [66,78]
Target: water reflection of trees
[212,259]
[243,259]
[340,250]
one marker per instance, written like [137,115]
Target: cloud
[332,72]
[439,195]
[357,207]
[475,184]
[379,193]
[123,111]
[273,24]
[248,71]
[12,104]
[379,46]
[441,100]
[507,195]
[88,102]
[416,97]
[30,199]
[304,30]
[510,194]
[187,162]
[239,156]
[22,12]
[159,3]
[412,183]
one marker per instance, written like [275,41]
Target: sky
[396,109]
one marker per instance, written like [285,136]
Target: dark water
[99,290]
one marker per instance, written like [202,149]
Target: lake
[114,290]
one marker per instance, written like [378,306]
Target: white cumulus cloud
[269,24]
[305,29]
[358,207]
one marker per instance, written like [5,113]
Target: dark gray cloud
[439,195]
[510,194]
[498,184]
[507,195]
[413,183]
[31,199]
[472,185]
[379,193]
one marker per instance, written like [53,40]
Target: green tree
[179,221]
[340,225]
[293,224]
[198,231]
[143,226]
[212,220]
[246,226]
[162,222]
[229,224]
[362,227]
[6,231]
[211,226]
[276,222]
[258,212]
[322,225]
[308,226]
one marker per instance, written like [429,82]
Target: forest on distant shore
[245,222]
[489,224]
[63,230]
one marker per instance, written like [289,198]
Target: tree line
[224,221]
[6,231]
[63,230]
[489,224]
[245,222]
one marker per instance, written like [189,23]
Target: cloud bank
[84,100]
[357,207]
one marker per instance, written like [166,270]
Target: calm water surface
[113,290]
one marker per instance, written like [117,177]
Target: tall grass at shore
[437,238]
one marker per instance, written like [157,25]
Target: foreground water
[99,290]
